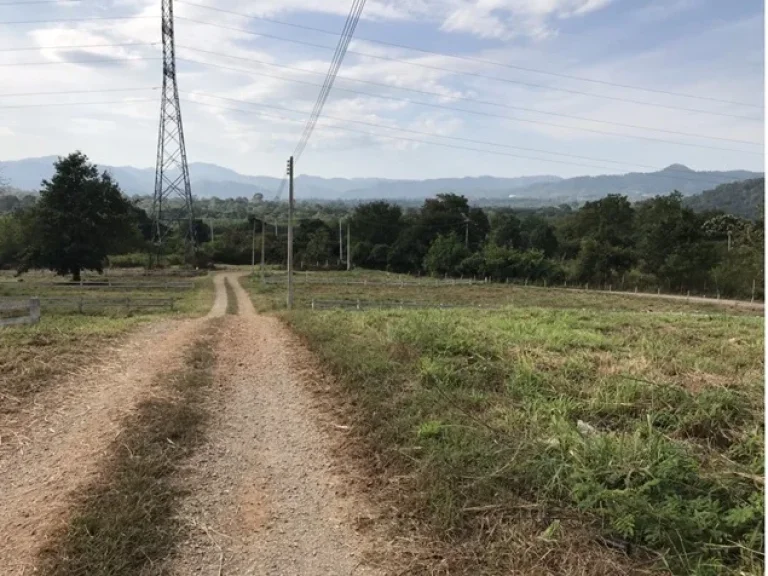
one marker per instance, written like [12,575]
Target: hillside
[745,199]
[210,180]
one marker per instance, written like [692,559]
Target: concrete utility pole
[349,252]
[341,245]
[263,235]
[290,233]
[253,248]
[466,231]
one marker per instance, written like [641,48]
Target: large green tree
[80,218]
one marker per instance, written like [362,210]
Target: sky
[428,88]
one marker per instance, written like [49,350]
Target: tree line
[82,220]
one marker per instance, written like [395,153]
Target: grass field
[31,357]
[567,433]
[272,296]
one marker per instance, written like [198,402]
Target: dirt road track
[52,449]
[263,495]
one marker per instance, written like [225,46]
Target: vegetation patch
[544,441]
[232,306]
[125,522]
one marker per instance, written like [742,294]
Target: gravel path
[53,449]
[264,496]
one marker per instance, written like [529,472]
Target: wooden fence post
[171,300]
[34,310]
[753,290]
[80,305]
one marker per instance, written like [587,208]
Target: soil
[265,494]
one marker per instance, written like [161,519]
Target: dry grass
[232,306]
[272,297]
[125,523]
[33,357]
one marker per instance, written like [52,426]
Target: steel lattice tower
[172,171]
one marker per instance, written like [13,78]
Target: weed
[125,523]
[231,297]
[645,430]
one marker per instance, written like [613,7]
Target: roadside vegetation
[561,434]
[125,523]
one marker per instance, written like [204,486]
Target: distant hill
[210,180]
[638,185]
[745,199]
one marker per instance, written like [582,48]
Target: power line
[474,100]
[467,111]
[88,61]
[70,20]
[400,138]
[394,45]
[473,74]
[27,2]
[478,60]
[431,134]
[399,60]
[378,84]
[70,47]
[445,145]
[8,95]
[341,49]
[52,104]
[400,99]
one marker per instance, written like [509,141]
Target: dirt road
[263,496]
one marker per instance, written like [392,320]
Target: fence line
[341,282]
[31,307]
[81,303]
[577,287]
[317,304]
[125,286]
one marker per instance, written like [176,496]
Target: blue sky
[705,48]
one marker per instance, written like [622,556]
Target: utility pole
[349,252]
[341,246]
[466,234]
[729,240]
[263,234]
[290,233]
[253,248]
[211,229]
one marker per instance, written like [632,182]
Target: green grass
[272,297]
[524,439]
[126,522]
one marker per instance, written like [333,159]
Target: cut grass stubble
[125,522]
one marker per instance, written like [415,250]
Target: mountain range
[210,180]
